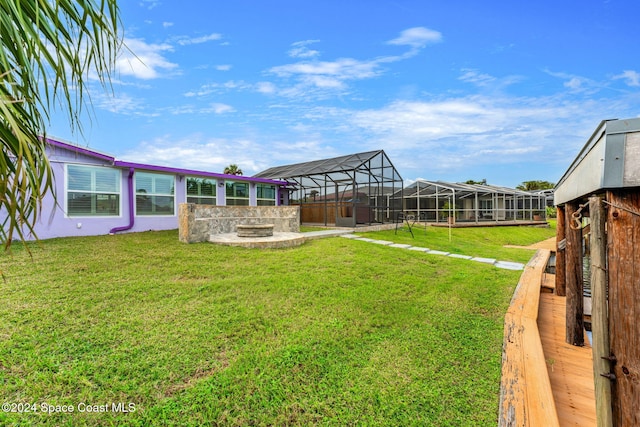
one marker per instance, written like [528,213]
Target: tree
[471,181]
[535,185]
[233,169]
[49,50]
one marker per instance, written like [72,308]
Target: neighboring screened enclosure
[360,188]
[458,202]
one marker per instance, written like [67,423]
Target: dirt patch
[198,375]
[550,244]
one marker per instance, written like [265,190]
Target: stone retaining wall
[197,222]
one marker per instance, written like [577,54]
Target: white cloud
[198,152]
[300,49]
[344,69]
[167,24]
[318,79]
[219,108]
[150,4]
[297,151]
[632,78]
[143,60]
[449,138]
[324,82]
[223,67]
[182,109]
[577,84]
[186,152]
[313,78]
[210,88]
[479,79]
[121,103]
[414,121]
[417,37]
[266,88]
[455,135]
[487,82]
[213,108]
[184,41]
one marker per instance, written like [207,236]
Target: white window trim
[214,182]
[135,196]
[268,199]
[227,198]
[66,191]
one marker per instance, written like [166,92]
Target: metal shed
[438,201]
[598,200]
[359,188]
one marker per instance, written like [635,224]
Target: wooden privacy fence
[325,212]
[608,225]
[525,390]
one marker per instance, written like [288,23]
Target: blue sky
[507,91]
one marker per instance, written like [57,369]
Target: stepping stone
[509,265]
[506,265]
[484,260]
[439,253]
[382,242]
[460,256]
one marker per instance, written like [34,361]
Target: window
[201,191]
[154,194]
[237,193]
[486,207]
[93,191]
[266,194]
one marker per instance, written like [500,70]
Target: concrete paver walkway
[326,233]
[507,265]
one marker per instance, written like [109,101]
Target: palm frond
[50,50]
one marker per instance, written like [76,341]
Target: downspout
[131,215]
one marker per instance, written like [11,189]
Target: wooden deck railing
[525,390]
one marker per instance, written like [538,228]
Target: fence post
[574,277]
[561,243]
[599,317]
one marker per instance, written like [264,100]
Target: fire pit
[254,230]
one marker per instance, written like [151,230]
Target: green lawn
[335,332]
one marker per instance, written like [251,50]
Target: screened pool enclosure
[361,188]
[471,203]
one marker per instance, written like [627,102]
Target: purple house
[97,194]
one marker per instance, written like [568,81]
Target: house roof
[609,159]
[79,150]
[167,169]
